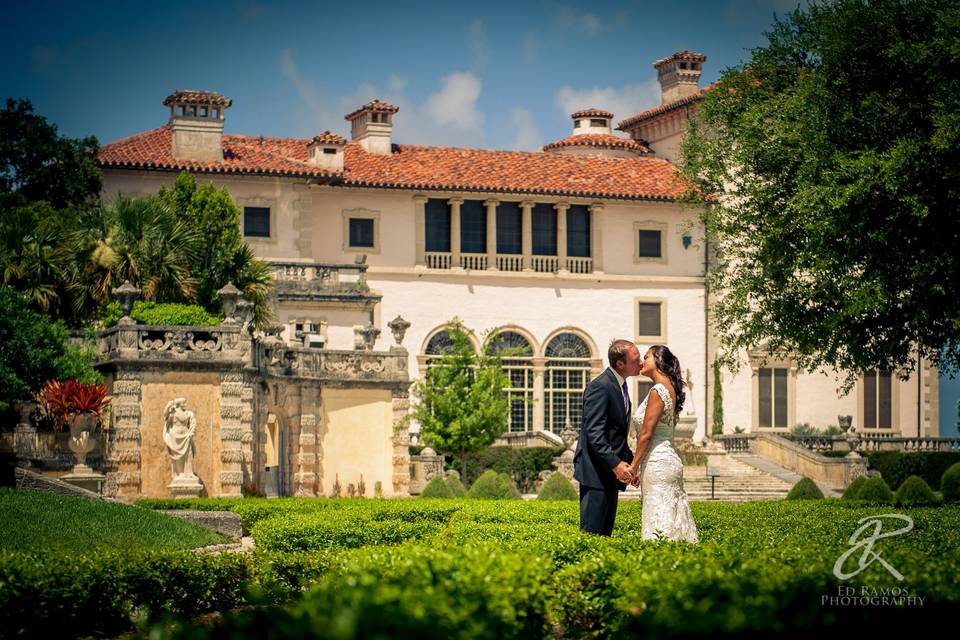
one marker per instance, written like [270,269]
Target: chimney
[372,126]
[196,118]
[595,121]
[679,75]
[326,151]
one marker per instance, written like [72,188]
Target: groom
[602,462]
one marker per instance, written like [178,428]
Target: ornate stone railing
[509,262]
[474,261]
[736,442]
[875,442]
[274,357]
[438,260]
[545,264]
[227,342]
[293,279]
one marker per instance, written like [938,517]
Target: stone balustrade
[277,358]
[224,343]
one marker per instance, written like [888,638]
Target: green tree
[37,164]
[462,404]
[828,167]
[717,400]
[32,348]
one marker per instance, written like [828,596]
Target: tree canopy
[829,170]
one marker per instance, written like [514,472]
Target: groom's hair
[618,352]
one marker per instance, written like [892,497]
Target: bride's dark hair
[668,364]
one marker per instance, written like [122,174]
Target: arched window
[516,357]
[568,371]
[440,344]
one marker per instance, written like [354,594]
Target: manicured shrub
[557,487]
[853,491]
[914,492]
[523,465]
[805,489]
[491,486]
[876,490]
[950,484]
[437,488]
[897,466]
[514,491]
[164,314]
[456,487]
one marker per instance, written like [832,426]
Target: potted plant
[79,406]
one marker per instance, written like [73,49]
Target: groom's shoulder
[599,380]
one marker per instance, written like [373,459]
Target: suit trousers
[598,510]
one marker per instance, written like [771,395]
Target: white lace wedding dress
[666,511]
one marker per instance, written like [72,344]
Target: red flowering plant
[62,402]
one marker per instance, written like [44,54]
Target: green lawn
[37,521]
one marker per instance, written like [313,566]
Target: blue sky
[495,75]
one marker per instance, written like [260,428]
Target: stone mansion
[557,251]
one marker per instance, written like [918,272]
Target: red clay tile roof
[643,116]
[591,113]
[329,138]
[417,167]
[189,96]
[686,54]
[374,105]
[600,141]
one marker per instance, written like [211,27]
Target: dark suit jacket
[603,434]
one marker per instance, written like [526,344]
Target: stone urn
[83,439]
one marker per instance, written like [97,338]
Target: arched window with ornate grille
[567,375]
[516,358]
[439,344]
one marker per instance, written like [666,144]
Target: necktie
[626,398]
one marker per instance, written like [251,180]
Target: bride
[657,467]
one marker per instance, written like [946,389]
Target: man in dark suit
[602,462]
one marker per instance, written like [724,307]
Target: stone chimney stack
[595,121]
[196,119]
[372,126]
[326,151]
[679,75]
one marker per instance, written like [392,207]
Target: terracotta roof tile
[643,116]
[329,138]
[600,141]
[417,167]
[686,54]
[377,106]
[189,96]
[591,113]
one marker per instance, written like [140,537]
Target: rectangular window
[578,231]
[877,400]
[544,219]
[361,232]
[509,228]
[649,315]
[650,243]
[473,227]
[773,397]
[256,222]
[598,122]
[437,220]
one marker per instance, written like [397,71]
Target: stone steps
[738,482]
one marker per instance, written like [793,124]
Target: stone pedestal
[86,478]
[185,486]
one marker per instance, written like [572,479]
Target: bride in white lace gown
[656,464]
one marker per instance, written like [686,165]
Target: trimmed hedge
[163,313]
[522,465]
[914,492]
[437,488]
[456,487]
[897,466]
[875,489]
[805,489]
[853,491]
[557,487]
[950,484]
[491,486]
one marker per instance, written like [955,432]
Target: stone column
[539,397]
[307,480]
[455,231]
[420,227]
[401,445]
[596,244]
[561,209]
[232,432]
[123,458]
[491,234]
[527,234]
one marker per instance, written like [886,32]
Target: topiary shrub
[514,491]
[557,487]
[805,489]
[491,486]
[950,484]
[457,490]
[436,488]
[915,492]
[875,489]
[163,314]
[853,491]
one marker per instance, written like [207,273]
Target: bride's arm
[650,419]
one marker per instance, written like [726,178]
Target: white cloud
[305,89]
[623,101]
[530,46]
[528,136]
[477,39]
[456,102]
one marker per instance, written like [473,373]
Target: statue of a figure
[179,426]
